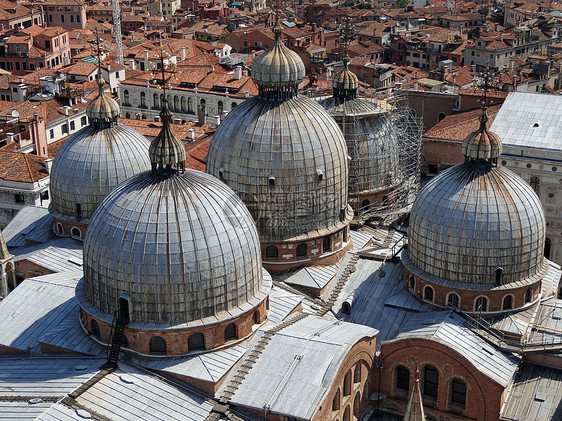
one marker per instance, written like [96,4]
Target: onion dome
[345,83]
[167,149]
[476,221]
[103,109]
[93,161]
[278,70]
[179,244]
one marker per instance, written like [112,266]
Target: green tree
[402,3]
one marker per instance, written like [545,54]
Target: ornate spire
[345,83]
[482,144]
[414,410]
[278,71]
[102,111]
[166,150]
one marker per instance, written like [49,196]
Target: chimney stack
[10,137]
[237,72]
[191,135]
[49,165]
[182,53]
[217,119]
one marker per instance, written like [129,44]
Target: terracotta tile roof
[81,68]
[496,45]
[27,168]
[458,126]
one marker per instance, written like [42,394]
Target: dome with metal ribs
[102,109]
[181,246]
[90,164]
[288,161]
[345,83]
[475,218]
[167,149]
[278,68]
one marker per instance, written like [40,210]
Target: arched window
[220,107]
[441,117]
[271,253]
[402,378]
[428,293]
[157,345]
[481,304]
[499,275]
[143,100]
[127,115]
[412,283]
[528,296]
[357,403]
[230,332]
[126,97]
[336,401]
[301,251]
[430,381]
[95,328]
[347,414]
[327,244]
[203,102]
[233,105]
[75,232]
[453,300]
[347,384]
[156,100]
[183,104]
[176,102]
[190,105]
[357,373]
[196,341]
[364,203]
[547,246]
[507,302]
[256,317]
[535,182]
[458,392]
[124,312]
[60,229]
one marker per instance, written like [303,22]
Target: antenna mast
[117,29]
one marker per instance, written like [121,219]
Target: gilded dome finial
[166,150]
[102,111]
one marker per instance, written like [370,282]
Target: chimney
[501,36]
[416,85]
[108,69]
[20,80]
[146,60]
[10,137]
[132,64]
[217,120]
[191,135]
[182,53]
[246,94]
[473,68]
[237,72]
[48,165]
[65,110]
[201,115]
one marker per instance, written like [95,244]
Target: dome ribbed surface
[91,163]
[474,218]
[287,143]
[278,67]
[345,80]
[102,108]
[182,247]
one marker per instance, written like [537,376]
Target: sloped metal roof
[448,328]
[296,369]
[31,222]
[530,120]
[313,277]
[281,304]
[65,257]
[35,307]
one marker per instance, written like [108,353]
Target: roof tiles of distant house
[458,126]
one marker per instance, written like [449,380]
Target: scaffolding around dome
[381,184]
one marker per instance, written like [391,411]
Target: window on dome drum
[230,332]
[499,275]
[364,203]
[412,283]
[256,317]
[453,300]
[95,328]
[547,246]
[357,373]
[528,296]
[458,392]
[60,230]
[428,293]
[271,253]
[336,400]
[430,381]
[301,251]
[157,345]
[124,312]
[196,341]
[78,210]
[481,304]
[347,384]
[507,302]
[327,244]
[402,376]
[75,232]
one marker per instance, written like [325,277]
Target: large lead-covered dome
[95,160]
[476,220]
